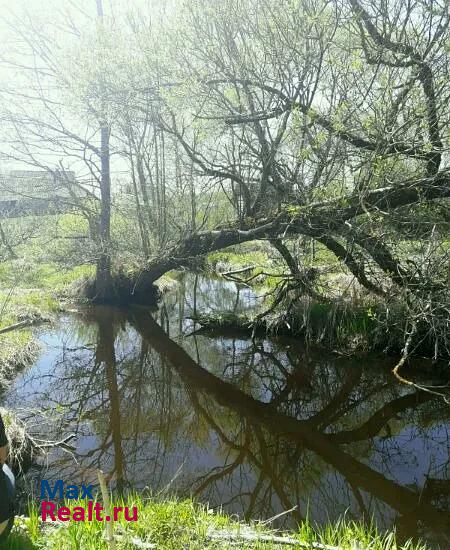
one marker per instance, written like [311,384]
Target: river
[255,427]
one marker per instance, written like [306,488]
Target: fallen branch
[400,364]
[257,538]
[225,321]
[63,443]
[21,324]
[235,271]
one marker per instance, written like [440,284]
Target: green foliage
[174,524]
[18,350]
[236,260]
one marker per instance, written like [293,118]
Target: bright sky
[81,13]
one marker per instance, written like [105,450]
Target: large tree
[290,121]
[328,121]
[57,114]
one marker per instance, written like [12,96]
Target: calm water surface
[256,427]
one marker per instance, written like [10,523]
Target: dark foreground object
[7,495]
[126,289]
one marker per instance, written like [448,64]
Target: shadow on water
[255,426]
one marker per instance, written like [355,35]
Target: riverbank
[138,370]
[174,524]
[32,295]
[339,313]
[322,304]
[19,347]
[27,298]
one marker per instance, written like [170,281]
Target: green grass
[48,276]
[29,292]
[240,257]
[18,347]
[173,524]
[32,299]
[236,260]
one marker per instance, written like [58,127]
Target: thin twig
[107,505]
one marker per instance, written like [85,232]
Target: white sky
[83,14]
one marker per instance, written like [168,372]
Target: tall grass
[173,524]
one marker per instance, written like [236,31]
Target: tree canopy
[290,121]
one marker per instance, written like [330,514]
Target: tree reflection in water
[256,426]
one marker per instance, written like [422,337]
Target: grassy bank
[21,446]
[339,314]
[26,299]
[30,294]
[19,349]
[172,524]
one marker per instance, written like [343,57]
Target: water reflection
[255,426]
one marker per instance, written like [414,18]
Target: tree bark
[104,285]
[319,220]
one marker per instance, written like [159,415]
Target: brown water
[256,427]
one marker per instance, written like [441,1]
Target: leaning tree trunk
[320,220]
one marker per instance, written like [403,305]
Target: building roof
[20,185]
